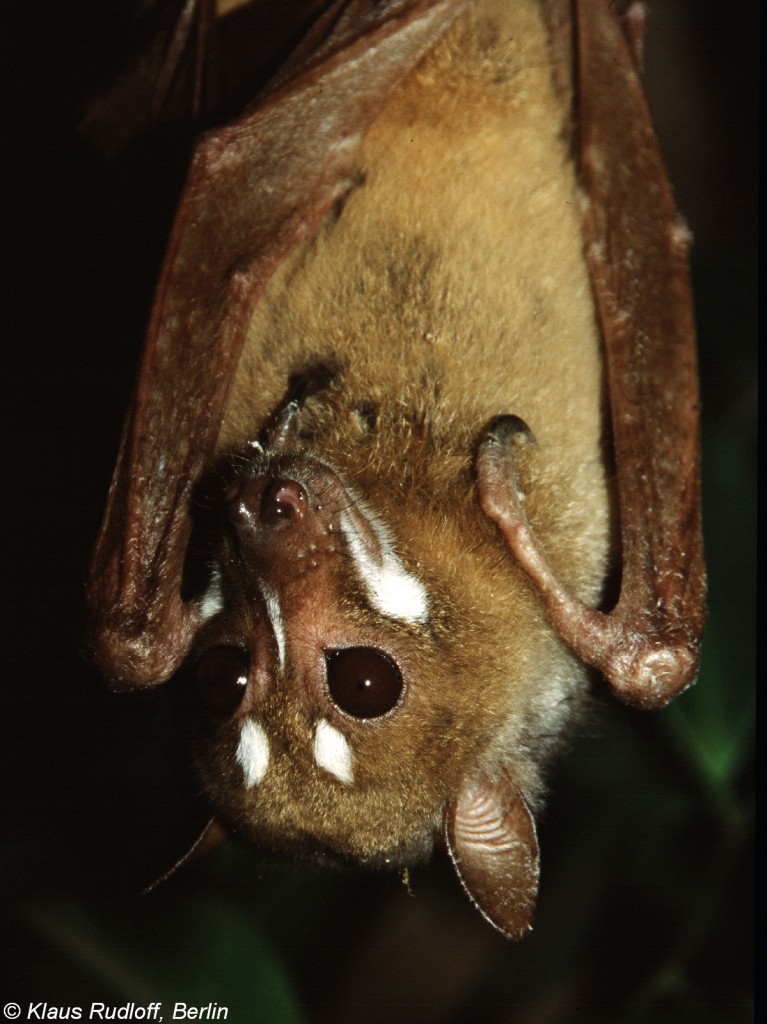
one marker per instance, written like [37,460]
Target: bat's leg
[643,654]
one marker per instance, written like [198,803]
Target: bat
[413,452]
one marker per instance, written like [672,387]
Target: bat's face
[346,698]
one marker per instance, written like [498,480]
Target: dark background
[646,899]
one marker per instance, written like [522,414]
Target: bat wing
[256,188]
[171,78]
[636,247]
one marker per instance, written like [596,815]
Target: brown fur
[449,288]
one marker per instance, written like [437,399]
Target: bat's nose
[277,503]
[283,501]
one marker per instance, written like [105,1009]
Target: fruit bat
[413,452]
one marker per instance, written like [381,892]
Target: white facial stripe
[253,752]
[396,593]
[274,612]
[212,601]
[392,590]
[332,752]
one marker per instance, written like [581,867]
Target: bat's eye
[363,682]
[222,678]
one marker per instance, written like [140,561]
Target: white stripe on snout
[253,752]
[274,612]
[212,600]
[392,590]
[332,751]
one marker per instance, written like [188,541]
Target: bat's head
[306,672]
[352,688]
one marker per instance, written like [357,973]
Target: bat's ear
[490,835]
